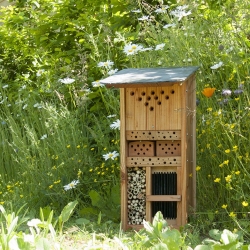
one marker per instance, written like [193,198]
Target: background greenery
[53,133]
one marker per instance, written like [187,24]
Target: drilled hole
[143,93]
[132,93]
[156,97]
[159,102]
[152,92]
[139,99]
[172,91]
[148,98]
[151,108]
[162,92]
[146,104]
[167,97]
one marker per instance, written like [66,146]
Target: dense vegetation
[59,137]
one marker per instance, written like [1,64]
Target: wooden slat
[130,109]
[135,135]
[163,197]
[148,192]
[153,161]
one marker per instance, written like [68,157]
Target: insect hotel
[157,143]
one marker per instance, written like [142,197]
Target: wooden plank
[179,191]
[153,161]
[163,197]
[148,192]
[134,135]
[140,114]
[123,154]
[129,103]
[150,108]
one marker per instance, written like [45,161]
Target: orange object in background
[208,92]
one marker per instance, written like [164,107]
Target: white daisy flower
[44,137]
[144,18]
[66,80]
[39,72]
[106,64]
[160,46]
[5,86]
[169,25]
[180,12]
[97,84]
[111,155]
[112,72]
[132,49]
[71,185]
[115,124]
[25,106]
[163,9]
[216,66]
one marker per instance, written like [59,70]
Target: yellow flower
[227,151]
[232,215]
[244,204]
[68,146]
[51,186]
[91,170]
[21,195]
[221,165]
[92,149]
[209,109]
[237,99]
[217,180]
[78,146]
[226,162]
[235,148]
[208,92]
[56,182]
[237,172]
[208,145]
[1,202]
[228,178]
[198,168]
[224,206]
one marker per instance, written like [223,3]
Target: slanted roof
[146,77]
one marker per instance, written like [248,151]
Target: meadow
[59,136]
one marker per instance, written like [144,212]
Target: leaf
[115,195]
[68,210]
[161,246]
[95,198]
[215,234]
[82,221]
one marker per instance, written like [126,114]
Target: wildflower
[226,92]
[198,168]
[224,206]
[39,72]
[37,105]
[78,146]
[208,92]
[66,80]
[209,109]
[216,66]
[244,203]
[217,180]
[97,84]
[51,186]
[34,223]
[227,151]
[111,155]
[163,9]
[115,124]
[228,178]
[25,106]
[5,86]
[132,49]
[226,162]
[57,182]
[160,46]
[143,18]
[106,64]
[136,11]
[237,172]
[68,146]
[71,185]
[112,72]
[110,116]
[180,12]
[232,215]
[235,148]
[44,137]
[238,91]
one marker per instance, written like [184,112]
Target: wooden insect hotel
[157,143]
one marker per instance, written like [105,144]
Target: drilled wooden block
[168,148]
[145,148]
